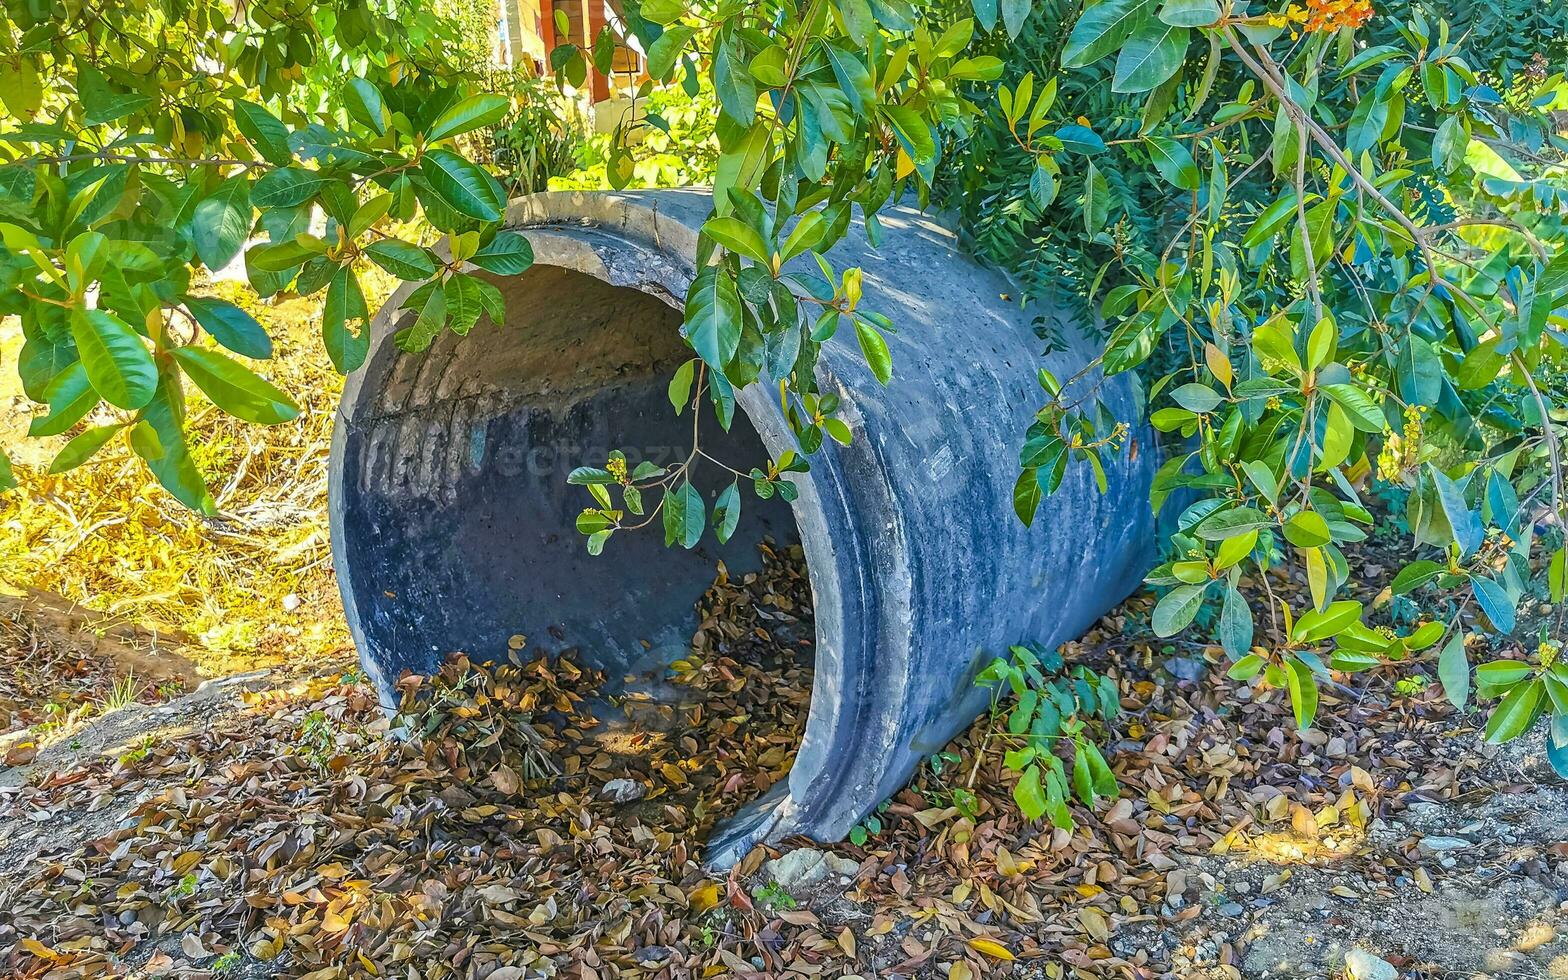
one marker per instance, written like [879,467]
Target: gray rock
[1439,844]
[806,866]
[623,790]
[1362,965]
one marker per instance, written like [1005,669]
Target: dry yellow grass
[252,586]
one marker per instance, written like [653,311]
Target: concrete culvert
[453,525]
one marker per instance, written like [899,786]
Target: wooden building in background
[526,33]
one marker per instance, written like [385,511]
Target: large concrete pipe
[452,522]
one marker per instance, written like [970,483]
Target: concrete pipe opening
[453,525]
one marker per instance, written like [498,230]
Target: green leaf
[1494,601]
[1371,57]
[1229,523]
[363,101]
[1015,13]
[584,476]
[472,113]
[1303,688]
[1173,162]
[1176,609]
[345,322]
[1101,29]
[726,512]
[269,136]
[1190,13]
[732,82]
[101,103]
[1026,496]
[1557,575]
[667,48]
[7,477]
[401,259]
[1314,625]
[1195,397]
[70,396]
[1028,794]
[680,385]
[159,440]
[1322,343]
[1498,676]
[874,349]
[737,236]
[1307,529]
[713,317]
[1338,437]
[287,187]
[508,254]
[230,326]
[852,77]
[82,448]
[1272,219]
[1149,57]
[462,186]
[1235,624]
[913,133]
[985,13]
[234,387]
[685,516]
[1362,411]
[118,363]
[1415,575]
[221,223]
[1453,669]
[1517,712]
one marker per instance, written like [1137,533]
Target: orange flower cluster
[1331,15]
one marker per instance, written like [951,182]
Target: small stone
[1231,909]
[623,790]
[797,869]
[1362,965]
[291,603]
[1438,844]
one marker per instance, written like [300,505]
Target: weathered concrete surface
[452,524]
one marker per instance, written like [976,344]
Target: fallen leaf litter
[294,839]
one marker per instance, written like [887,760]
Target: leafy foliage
[1359,278]
[148,142]
[1053,706]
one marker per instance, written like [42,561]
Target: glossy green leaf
[1176,609]
[462,185]
[726,512]
[874,349]
[1517,712]
[222,222]
[1102,28]
[70,396]
[474,112]
[235,388]
[401,259]
[230,326]
[117,361]
[1152,55]
[82,448]
[508,254]
[685,516]
[1453,670]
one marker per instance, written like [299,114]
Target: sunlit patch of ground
[252,586]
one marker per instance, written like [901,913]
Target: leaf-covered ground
[528,824]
